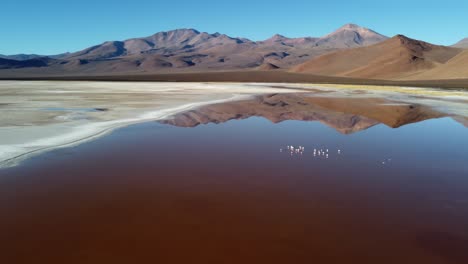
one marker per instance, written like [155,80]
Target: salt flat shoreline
[88,132]
[257,76]
[39,116]
[42,116]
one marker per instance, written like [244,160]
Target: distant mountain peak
[179,31]
[278,36]
[355,28]
[402,37]
[349,36]
[461,44]
[412,43]
[185,30]
[275,38]
[351,26]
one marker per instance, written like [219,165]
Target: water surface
[234,193]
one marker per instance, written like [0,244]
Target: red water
[153,193]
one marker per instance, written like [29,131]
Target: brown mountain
[455,68]
[396,58]
[350,36]
[461,44]
[186,50]
[189,49]
[347,36]
[164,43]
[23,57]
[288,52]
[20,57]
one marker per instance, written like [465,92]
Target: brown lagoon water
[234,193]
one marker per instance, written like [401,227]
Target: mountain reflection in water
[345,115]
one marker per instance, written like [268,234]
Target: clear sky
[56,26]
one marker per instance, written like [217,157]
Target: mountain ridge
[350,51]
[188,49]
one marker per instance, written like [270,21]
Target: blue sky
[56,26]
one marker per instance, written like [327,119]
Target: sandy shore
[41,115]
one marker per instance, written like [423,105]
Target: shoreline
[42,116]
[22,141]
[239,77]
[97,130]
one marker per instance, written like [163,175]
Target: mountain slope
[164,43]
[22,57]
[31,63]
[395,58]
[267,67]
[455,68]
[461,44]
[108,49]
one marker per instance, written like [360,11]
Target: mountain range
[350,51]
